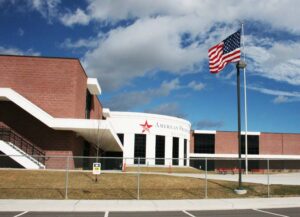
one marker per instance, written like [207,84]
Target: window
[140,148]
[88,104]
[160,150]
[253,144]
[184,151]
[175,150]
[204,143]
[121,137]
[86,152]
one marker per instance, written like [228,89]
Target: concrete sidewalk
[274,179]
[147,205]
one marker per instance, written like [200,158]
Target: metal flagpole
[245,99]
[240,65]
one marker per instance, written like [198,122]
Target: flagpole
[245,100]
[240,65]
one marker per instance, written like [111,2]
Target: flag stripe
[227,57]
[225,52]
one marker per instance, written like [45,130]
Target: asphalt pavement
[282,212]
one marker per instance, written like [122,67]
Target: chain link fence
[68,177]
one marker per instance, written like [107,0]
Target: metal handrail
[7,134]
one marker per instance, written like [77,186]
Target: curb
[146,205]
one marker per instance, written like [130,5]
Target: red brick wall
[192,143]
[38,133]
[226,143]
[58,160]
[96,111]
[56,85]
[291,144]
[270,143]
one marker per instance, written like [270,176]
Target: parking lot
[283,212]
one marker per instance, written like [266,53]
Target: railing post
[67,178]
[138,177]
[205,178]
[268,174]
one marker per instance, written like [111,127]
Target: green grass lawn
[40,184]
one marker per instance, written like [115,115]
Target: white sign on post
[96,168]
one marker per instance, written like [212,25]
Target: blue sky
[152,55]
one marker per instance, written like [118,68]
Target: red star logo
[146,127]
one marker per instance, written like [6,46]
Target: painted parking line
[228,213]
[271,213]
[148,214]
[189,214]
[64,214]
[291,212]
[8,214]
[22,213]
[106,214]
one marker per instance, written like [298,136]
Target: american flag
[227,51]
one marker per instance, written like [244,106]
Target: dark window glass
[88,104]
[204,143]
[140,148]
[86,152]
[175,150]
[160,150]
[253,144]
[121,137]
[184,151]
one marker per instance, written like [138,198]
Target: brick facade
[192,143]
[269,143]
[59,87]
[56,85]
[291,144]
[37,132]
[226,143]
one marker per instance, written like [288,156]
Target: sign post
[96,170]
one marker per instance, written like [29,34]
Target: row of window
[140,149]
[205,144]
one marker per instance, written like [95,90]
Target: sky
[152,55]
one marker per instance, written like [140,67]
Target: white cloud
[145,46]
[281,96]
[79,17]
[274,92]
[20,32]
[171,109]
[47,8]
[280,61]
[196,86]
[283,99]
[133,99]
[278,13]
[129,100]
[208,124]
[153,41]
[81,43]
[16,51]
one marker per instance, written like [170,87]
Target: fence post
[268,174]
[138,176]
[205,178]
[67,178]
